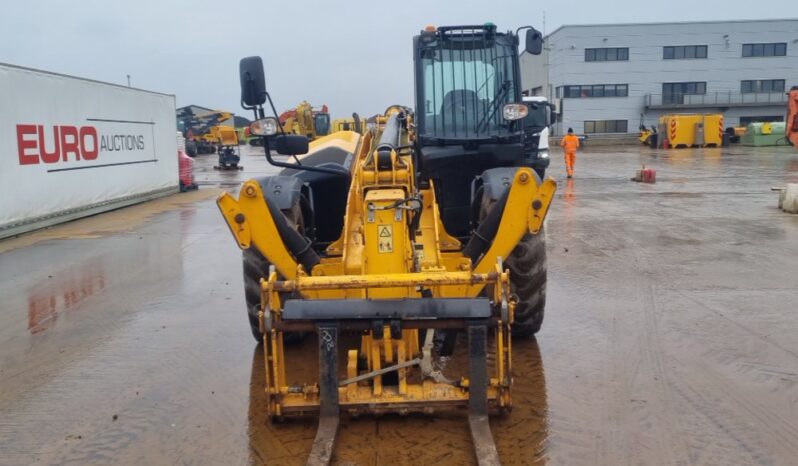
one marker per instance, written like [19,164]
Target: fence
[715,99]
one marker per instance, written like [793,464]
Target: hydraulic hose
[483,236]
[297,244]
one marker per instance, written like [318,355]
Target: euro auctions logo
[39,144]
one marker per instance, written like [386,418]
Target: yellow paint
[257,227]
[378,257]
[223,135]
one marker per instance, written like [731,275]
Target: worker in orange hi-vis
[569,145]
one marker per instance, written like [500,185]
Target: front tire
[256,266]
[528,275]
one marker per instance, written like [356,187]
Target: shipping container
[692,130]
[72,147]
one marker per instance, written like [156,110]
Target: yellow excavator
[394,242]
[307,121]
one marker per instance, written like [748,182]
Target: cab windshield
[466,80]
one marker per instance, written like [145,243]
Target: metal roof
[669,23]
[35,70]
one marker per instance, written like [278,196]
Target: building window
[778,49]
[605,126]
[746,120]
[673,93]
[762,86]
[593,90]
[680,52]
[607,54]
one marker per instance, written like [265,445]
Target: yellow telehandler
[416,243]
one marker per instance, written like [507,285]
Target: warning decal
[385,240]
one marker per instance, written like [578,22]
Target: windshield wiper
[494,106]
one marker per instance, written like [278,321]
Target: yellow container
[713,130]
[693,130]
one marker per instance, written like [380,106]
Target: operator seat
[461,110]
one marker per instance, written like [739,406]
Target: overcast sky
[352,55]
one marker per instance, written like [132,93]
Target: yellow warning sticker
[385,240]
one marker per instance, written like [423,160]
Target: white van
[536,132]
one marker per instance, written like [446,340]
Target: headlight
[512,112]
[543,154]
[265,127]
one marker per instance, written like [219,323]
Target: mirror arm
[297,166]
[518,31]
[274,111]
[259,114]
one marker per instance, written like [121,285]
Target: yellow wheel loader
[417,242]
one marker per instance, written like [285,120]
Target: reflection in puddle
[49,298]
[87,268]
[569,194]
[521,436]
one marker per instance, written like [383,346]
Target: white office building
[610,78]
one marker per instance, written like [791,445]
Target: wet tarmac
[671,332]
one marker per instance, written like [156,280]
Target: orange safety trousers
[570,160]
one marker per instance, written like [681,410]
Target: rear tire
[528,274]
[256,266]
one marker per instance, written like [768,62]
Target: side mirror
[253,82]
[553,114]
[534,41]
[291,144]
